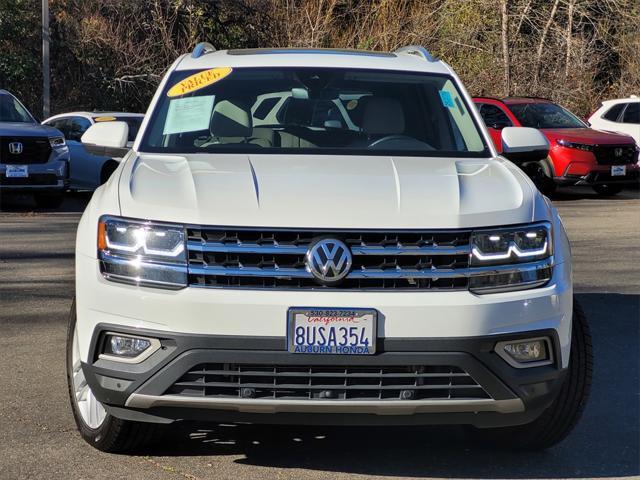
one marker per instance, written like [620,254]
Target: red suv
[579,155]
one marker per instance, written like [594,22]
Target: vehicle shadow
[606,443]
[74,202]
[568,194]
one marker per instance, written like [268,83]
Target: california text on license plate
[341,331]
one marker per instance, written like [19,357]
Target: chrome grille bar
[433,273]
[275,249]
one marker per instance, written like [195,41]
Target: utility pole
[46,80]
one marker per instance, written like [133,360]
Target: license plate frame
[323,316]
[618,170]
[17,171]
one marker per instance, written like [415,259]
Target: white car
[398,273]
[89,167]
[621,115]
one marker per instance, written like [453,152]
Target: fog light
[128,348]
[527,351]
[531,352]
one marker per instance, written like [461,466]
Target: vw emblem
[15,148]
[328,260]
[618,152]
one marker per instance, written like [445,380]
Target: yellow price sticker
[104,119]
[199,80]
[352,104]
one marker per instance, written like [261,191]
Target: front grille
[606,154]
[34,150]
[302,382]
[221,257]
[32,179]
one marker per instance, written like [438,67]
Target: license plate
[17,171]
[328,331]
[618,170]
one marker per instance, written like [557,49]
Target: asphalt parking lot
[38,438]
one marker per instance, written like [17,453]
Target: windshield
[545,115]
[312,110]
[11,110]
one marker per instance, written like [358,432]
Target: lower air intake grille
[289,382]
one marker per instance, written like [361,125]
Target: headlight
[511,258]
[142,253]
[57,142]
[578,146]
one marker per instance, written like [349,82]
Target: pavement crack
[169,469]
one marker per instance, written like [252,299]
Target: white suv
[621,115]
[389,269]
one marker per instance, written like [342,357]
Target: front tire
[97,427]
[608,190]
[561,417]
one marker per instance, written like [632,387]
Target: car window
[11,110]
[62,124]
[632,113]
[134,125]
[320,110]
[262,108]
[494,116]
[76,127]
[545,115]
[613,113]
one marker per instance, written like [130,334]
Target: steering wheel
[389,138]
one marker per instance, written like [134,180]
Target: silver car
[89,167]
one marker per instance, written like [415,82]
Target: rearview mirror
[523,144]
[107,134]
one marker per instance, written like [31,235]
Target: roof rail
[201,49]
[418,51]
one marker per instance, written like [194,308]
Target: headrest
[382,116]
[231,118]
[298,112]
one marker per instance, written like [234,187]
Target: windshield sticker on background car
[189,114]
[352,104]
[199,80]
[104,119]
[446,98]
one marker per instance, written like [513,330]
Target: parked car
[90,168]
[621,115]
[398,272]
[579,155]
[34,159]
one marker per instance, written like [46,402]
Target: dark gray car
[34,158]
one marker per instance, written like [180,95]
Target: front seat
[231,122]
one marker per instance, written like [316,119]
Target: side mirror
[107,134]
[523,144]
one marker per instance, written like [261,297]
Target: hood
[16,129]
[325,191]
[587,136]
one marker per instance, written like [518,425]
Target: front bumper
[43,177]
[600,178]
[143,391]
[199,326]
